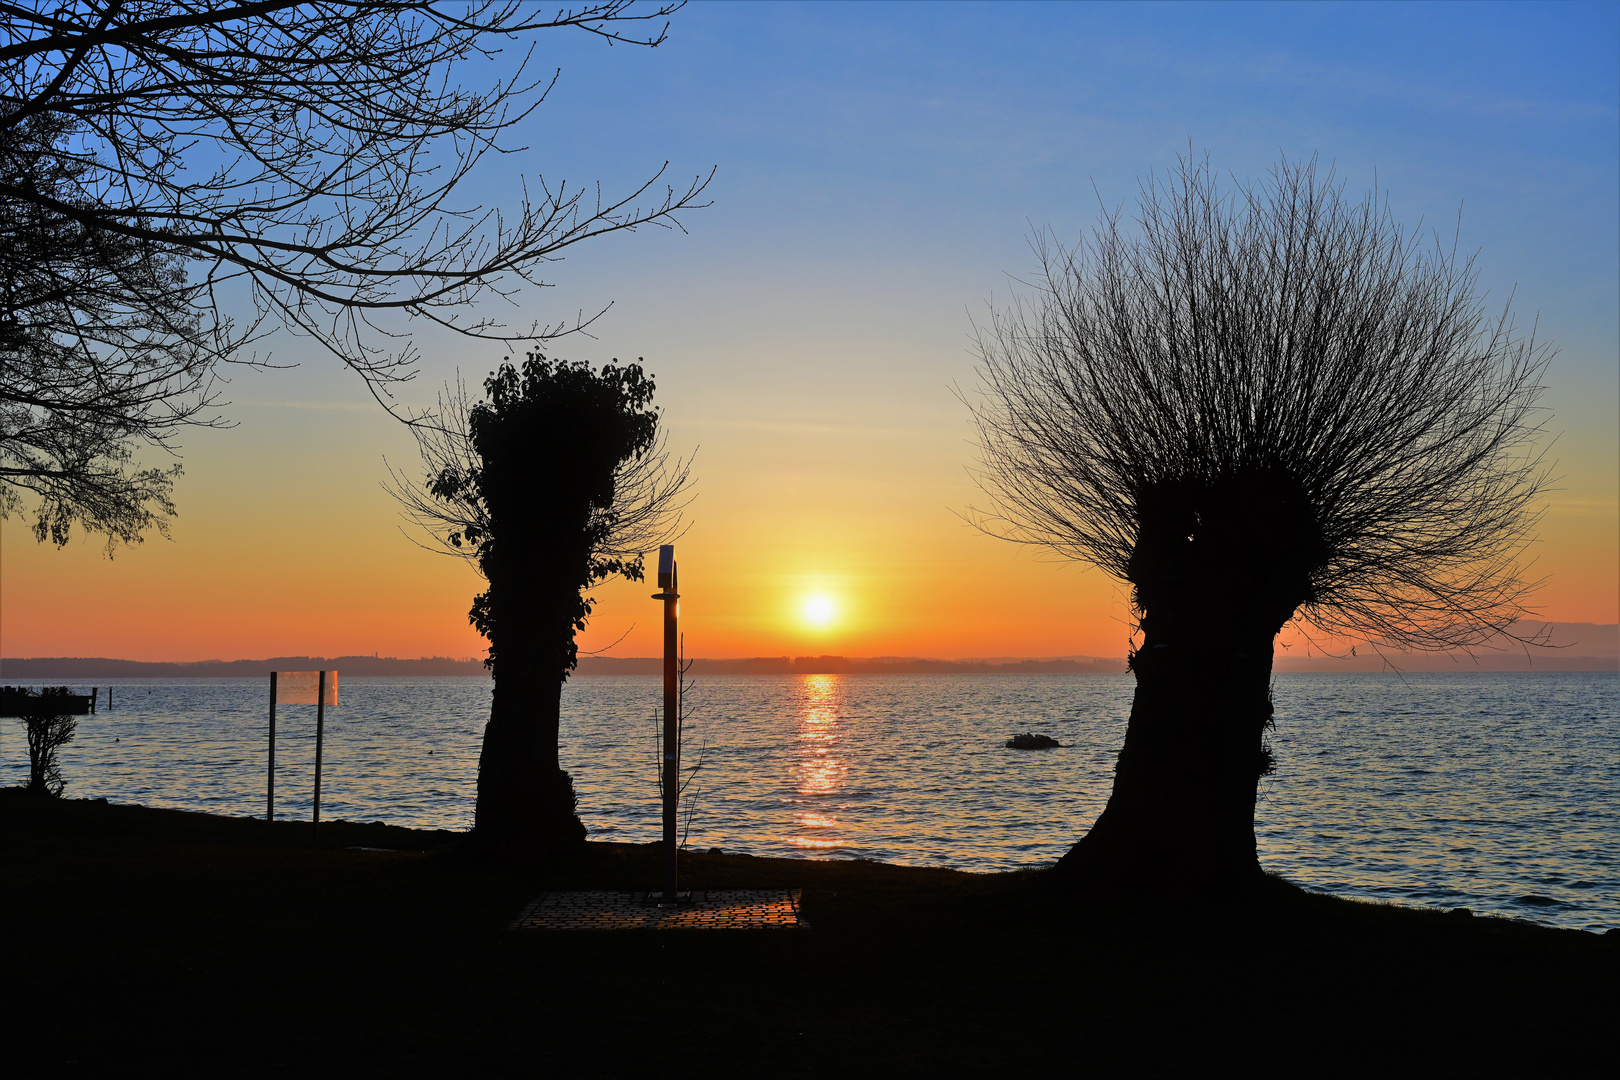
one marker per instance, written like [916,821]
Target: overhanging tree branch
[305,156]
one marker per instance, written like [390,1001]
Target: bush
[47,715]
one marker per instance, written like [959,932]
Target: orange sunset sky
[878,172]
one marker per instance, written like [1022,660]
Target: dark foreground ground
[148,942]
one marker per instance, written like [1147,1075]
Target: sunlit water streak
[1453,790]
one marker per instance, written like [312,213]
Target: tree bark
[1182,808]
[1218,570]
[525,799]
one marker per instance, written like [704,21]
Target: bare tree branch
[1280,390]
[292,146]
[103,347]
[300,158]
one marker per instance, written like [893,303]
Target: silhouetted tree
[1271,406]
[558,481]
[167,161]
[48,729]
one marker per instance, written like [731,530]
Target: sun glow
[819,611]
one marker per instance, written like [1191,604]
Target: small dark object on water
[1026,741]
[1538,900]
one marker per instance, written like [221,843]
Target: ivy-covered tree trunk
[525,799]
[524,796]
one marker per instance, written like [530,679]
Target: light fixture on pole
[671,765]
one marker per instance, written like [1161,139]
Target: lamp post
[671,765]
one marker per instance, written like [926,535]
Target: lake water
[1493,791]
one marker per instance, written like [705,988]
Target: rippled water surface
[1491,791]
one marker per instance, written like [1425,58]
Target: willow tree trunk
[1218,571]
[1182,808]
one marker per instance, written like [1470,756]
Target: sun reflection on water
[818,772]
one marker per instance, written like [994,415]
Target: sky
[878,170]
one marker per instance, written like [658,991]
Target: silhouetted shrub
[47,717]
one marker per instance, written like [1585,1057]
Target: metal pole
[672,720]
[320,734]
[270,764]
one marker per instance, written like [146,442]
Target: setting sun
[819,611]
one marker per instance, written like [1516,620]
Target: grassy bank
[157,940]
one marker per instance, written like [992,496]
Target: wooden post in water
[320,734]
[670,595]
[270,764]
[95,692]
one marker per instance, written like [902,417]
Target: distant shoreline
[66,667]
[63,667]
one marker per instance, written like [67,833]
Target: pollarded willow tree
[1259,407]
[556,482]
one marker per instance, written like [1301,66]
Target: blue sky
[879,166]
[878,170]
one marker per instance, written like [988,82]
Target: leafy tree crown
[549,448]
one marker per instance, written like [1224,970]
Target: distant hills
[1584,647]
[96,667]
[1575,647]
[100,667]
[852,665]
